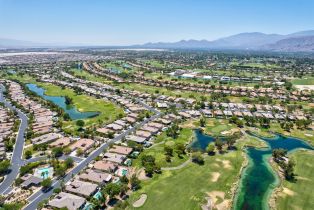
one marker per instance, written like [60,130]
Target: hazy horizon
[122,22]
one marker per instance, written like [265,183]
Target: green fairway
[187,188]
[299,194]
[158,152]
[108,111]
[304,134]
[303,81]
[88,76]
[215,127]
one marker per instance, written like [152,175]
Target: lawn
[303,81]
[25,78]
[305,134]
[161,90]
[299,194]
[187,187]
[157,151]
[89,76]
[84,103]
[214,127]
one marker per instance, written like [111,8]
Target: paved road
[40,195]
[16,161]
[176,167]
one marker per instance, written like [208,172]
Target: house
[143,134]
[95,176]
[136,139]
[30,180]
[67,200]
[103,165]
[83,144]
[81,188]
[121,150]
[62,142]
[113,157]
[45,138]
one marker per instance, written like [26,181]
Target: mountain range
[299,41]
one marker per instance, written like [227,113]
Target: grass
[301,196]
[213,127]
[303,81]
[305,134]
[89,76]
[157,151]
[22,78]
[108,111]
[186,188]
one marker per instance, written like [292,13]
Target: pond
[201,140]
[60,101]
[258,180]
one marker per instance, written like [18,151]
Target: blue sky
[122,22]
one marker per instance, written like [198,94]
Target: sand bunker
[226,163]
[288,191]
[215,176]
[225,204]
[140,202]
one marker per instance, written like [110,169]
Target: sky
[127,22]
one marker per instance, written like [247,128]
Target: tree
[148,161]
[69,162]
[230,142]
[173,131]
[124,179]
[289,170]
[80,123]
[66,116]
[68,100]
[202,121]
[79,152]
[219,144]
[4,166]
[197,158]
[168,150]
[60,170]
[57,152]
[112,189]
[135,182]
[210,149]
[279,153]
[28,154]
[180,149]
[46,183]
[67,150]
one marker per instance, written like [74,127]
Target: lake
[60,101]
[258,179]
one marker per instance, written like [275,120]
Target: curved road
[39,196]
[16,160]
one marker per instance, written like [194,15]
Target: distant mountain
[252,41]
[301,43]
[11,43]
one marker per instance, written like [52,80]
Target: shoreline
[236,185]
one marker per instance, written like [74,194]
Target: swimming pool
[98,195]
[44,173]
